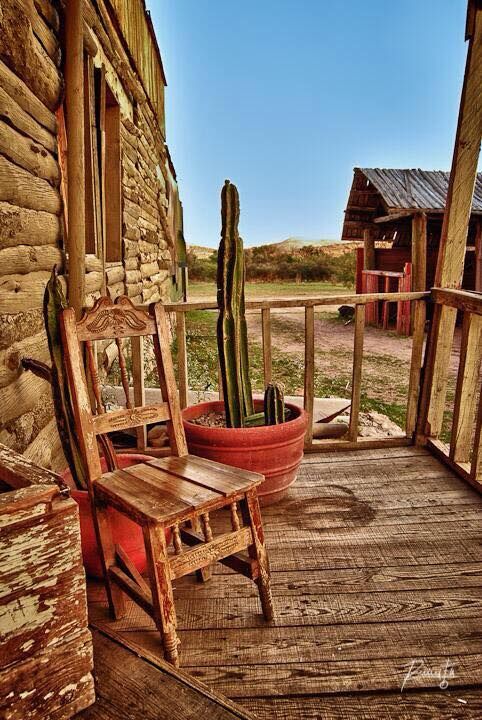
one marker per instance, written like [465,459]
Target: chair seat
[167,490]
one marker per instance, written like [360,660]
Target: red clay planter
[125,532]
[275,450]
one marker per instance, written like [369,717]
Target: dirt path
[386,356]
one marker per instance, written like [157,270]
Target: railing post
[466,388]
[309,387]
[476,463]
[419,317]
[137,347]
[182,358]
[357,372]
[266,340]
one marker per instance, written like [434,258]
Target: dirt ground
[386,355]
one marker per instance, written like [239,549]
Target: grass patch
[204,290]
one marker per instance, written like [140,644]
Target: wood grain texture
[150,688]
[443,705]
[357,372]
[453,240]
[467,388]
[371,571]
[45,646]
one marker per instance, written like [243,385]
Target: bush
[267,264]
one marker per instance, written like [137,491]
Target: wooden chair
[168,492]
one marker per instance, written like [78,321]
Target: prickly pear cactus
[232,334]
[274,404]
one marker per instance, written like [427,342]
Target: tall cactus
[274,406]
[232,333]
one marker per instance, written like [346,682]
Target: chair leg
[252,517]
[161,589]
[205,573]
[105,544]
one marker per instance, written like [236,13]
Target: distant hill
[295,243]
[203,253]
[333,247]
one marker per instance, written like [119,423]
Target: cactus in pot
[274,404]
[232,335]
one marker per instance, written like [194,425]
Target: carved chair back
[116,321]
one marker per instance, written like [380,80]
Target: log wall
[31,210]
[31,88]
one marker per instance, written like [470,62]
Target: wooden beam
[309,386]
[182,359]
[357,372]
[461,299]
[419,316]
[478,256]
[301,302]
[369,254]
[419,251]
[453,240]
[74,97]
[394,217]
[467,388]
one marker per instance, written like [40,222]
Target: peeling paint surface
[45,646]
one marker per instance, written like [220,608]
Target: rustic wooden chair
[172,492]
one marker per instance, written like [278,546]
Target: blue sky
[285,97]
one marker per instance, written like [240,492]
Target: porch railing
[464,452]
[352,438]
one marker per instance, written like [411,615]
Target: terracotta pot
[125,532]
[275,451]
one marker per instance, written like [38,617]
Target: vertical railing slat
[137,348]
[357,372]
[419,317]
[266,340]
[466,388]
[476,462]
[182,358]
[309,388]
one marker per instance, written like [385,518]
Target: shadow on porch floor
[377,582]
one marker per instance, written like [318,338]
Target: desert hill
[333,248]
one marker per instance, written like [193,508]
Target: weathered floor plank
[434,705]
[377,569]
[130,687]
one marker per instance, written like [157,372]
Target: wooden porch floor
[377,580]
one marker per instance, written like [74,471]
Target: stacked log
[31,224]
[31,88]
[146,251]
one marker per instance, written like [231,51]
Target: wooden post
[357,372]
[137,346]
[467,388]
[453,240]
[419,252]
[419,316]
[309,390]
[182,358]
[478,256]
[74,98]
[369,250]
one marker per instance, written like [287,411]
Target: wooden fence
[464,453]
[352,438]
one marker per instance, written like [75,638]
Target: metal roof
[424,189]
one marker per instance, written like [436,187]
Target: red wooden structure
[374,281]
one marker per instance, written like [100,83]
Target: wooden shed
[398,214]
[86,182]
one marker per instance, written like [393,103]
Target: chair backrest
[116,321]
